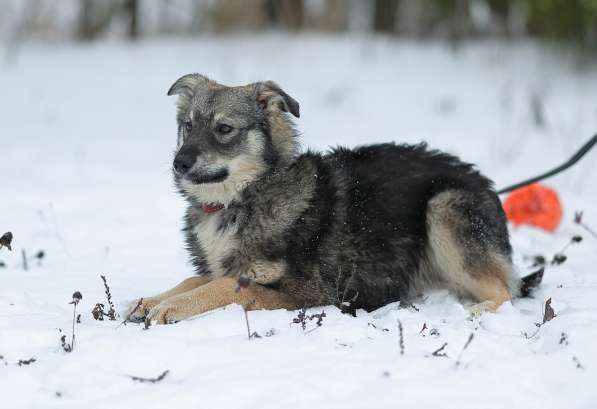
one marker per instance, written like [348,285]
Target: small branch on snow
[249,333]
[578,219]
[577,362]
[439,352]
[26,361]
[157,379]
[24,257]
[466,345]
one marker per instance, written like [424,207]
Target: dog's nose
[183,162]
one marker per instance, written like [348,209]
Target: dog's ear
[187,84]
[269,95]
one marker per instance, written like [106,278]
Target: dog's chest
[217,241]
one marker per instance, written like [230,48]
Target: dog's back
[394,220]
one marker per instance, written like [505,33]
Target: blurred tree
[95,17]
[562,19]
[234,15]
[335,15]
[567,20]
[384,17]
[131,7]
[289,14]
[500,12]
[455,18]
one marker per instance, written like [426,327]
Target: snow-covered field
[86,135]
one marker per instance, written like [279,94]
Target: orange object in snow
[536,205]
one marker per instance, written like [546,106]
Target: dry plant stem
[247,322]
[24,256]
[74,318]
[111,312]
[249,334]
[578,219]
[588,229]
[401,337]
[466,345]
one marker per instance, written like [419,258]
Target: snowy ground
[86,134]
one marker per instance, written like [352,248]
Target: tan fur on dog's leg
[150,302]
[215,294]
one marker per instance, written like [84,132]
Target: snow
[86,140]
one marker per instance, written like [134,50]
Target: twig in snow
[24,257]
[249,334]
[577,362]
[560,257]
[578,219]
[468,342]
[401,337]
[26,361]
[150,380]
[439,352]
[370,324]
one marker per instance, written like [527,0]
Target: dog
[269,227]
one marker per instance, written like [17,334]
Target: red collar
[211,207]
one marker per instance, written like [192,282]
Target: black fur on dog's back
[364,237]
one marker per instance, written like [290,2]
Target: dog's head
[229,137]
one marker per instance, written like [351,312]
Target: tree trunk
[131,7]
[384,17]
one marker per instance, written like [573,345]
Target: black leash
[581,152]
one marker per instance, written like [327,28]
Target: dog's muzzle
[186,166]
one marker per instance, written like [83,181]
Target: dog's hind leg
[218,293]
[140,311]
[468,246]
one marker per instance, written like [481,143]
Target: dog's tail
[530,282]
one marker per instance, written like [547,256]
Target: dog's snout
[183,162]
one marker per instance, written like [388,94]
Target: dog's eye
[188,126]
[223,129]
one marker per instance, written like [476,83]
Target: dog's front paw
[481,308]
[137,310]
[167,312]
